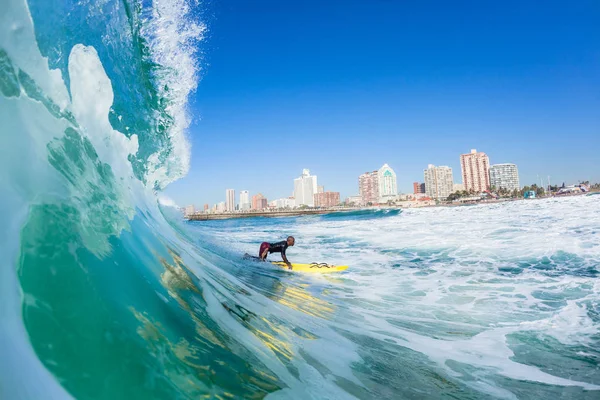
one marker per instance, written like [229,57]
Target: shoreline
[265,214]
[408,204]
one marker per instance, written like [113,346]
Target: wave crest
[173,37]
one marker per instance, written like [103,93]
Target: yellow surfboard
[316,268]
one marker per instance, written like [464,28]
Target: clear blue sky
[341,87]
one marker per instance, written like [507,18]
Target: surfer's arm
[285,260]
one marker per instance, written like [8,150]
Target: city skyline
[508,173]
[406,188]
[514,79]
[477,175]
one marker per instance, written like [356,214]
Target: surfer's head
[291,240]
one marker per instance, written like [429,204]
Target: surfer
[278,247]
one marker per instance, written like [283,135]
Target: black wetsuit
[278,247]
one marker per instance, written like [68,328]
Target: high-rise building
[327,199]
[505,176]
[458,187]
[475,171]
[304,189]
[439,183]
[221,207]
[230,200]
[259,202]
[320,189]
[244,200]
[418,188]
[206,207]
[368,187]
[378,186]
[189,210]
[386,179]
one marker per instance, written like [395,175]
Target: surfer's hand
[289,265]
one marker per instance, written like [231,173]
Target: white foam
[92,99]
[17,37]
[165,200]
[174,36]
[571,325]
[431,279]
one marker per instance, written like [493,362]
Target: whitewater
[106,293]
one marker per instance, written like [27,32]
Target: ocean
[107,293]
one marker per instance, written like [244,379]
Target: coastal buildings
[475,171]
[505,176]
[439,183]
[221,207]
[230,200]
[244,200]
[259,202]
[189,210]
[368,187]
[305,188]
[288,202]
[206,207]
[327,199]
[418,188]
[378,186]
[386,179]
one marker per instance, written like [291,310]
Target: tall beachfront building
[505,176]
[230,200]
[475,171]
[376,186]
[439,183]
[305,188]
[368,187]
[244,200]
[259,202]
[386,179]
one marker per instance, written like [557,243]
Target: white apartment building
[284,203]
[305,188]
[230,200]
[189,210]
[244,200]
[387,183]
[505,176]
[439,183]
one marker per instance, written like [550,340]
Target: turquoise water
[108,294]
